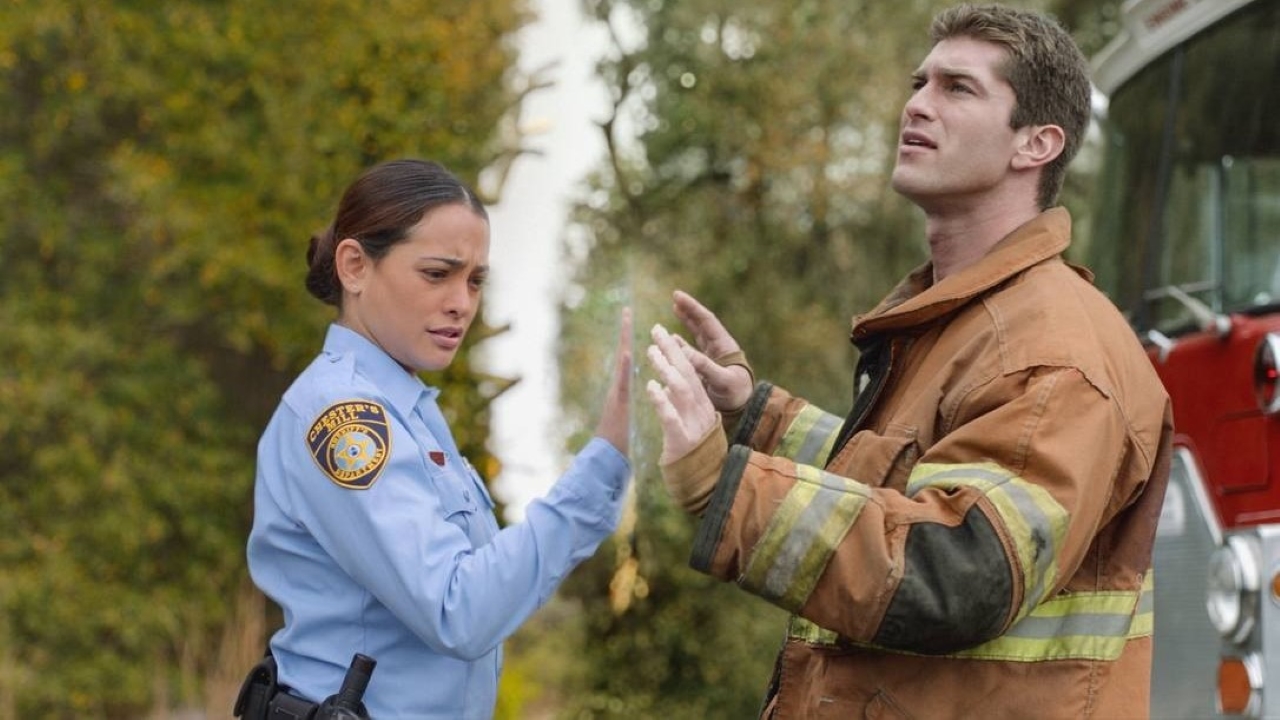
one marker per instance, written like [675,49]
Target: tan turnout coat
[975,540]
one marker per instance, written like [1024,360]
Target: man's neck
[960,238]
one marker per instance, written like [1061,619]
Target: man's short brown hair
[1048,73]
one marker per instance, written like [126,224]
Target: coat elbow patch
[955,592]
[959,582]
[1034,520]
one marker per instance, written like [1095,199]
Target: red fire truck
[1186,240]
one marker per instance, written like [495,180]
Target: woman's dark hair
[377,210]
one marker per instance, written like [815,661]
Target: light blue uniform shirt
[375,536]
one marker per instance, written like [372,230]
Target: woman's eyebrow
[450,261]
[453,262]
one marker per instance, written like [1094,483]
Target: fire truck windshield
[1190,189]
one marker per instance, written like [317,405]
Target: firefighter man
[974,538]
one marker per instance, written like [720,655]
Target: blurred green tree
[1093,23]
[162,166]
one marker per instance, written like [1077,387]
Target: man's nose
[918,105]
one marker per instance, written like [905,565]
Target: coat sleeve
[933,553]
[775,423]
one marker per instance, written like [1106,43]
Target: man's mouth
[915,139]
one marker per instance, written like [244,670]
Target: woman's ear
[1039,145]
[352,265]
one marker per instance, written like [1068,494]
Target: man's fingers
[709,333]
[661,403]
[675,435]
[687,305]
[683,385]
[672,353]
[700,363]
[677,386]
[705,367]
[684,408]
[694,316]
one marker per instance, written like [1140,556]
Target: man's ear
[351,264]
[1039,145]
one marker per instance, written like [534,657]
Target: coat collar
[917,300]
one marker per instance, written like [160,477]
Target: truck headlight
[1232,599]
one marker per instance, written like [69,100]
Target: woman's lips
[447,338]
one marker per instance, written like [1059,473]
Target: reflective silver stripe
[796,544]
[1073,626]
[800,538]
[810,436]
[1147,603]
[1144,616]
[1099,624]
[921,480]
[1087,625]
[1046,539]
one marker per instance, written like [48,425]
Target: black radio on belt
[263,698]
[348,703]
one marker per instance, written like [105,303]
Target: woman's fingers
[615,418]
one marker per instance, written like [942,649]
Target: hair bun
[322,277]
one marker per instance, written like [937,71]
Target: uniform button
[466,495]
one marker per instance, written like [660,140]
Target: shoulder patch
[350,442]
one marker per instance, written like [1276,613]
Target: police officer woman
[371,531]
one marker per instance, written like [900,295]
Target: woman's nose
[459,300]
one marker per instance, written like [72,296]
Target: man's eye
[479,281]
[435,274]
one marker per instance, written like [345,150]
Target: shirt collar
[401,388]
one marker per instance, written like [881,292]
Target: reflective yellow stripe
[1075,626]
[800,629]
[809,438]
[1144,617]
[1036,522]
[801,536]
[1080,626]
